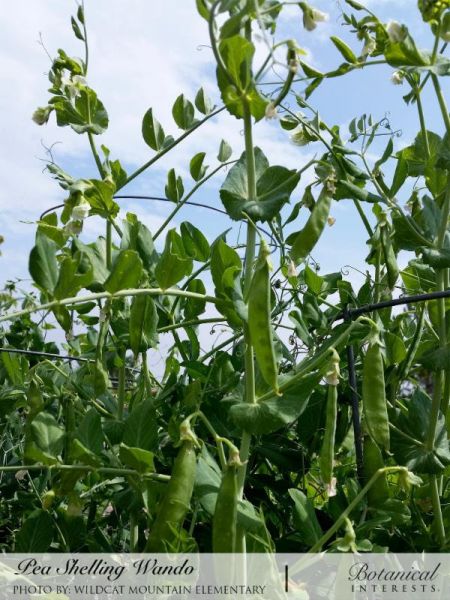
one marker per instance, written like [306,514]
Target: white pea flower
[331,488]
[292,269]
[397,77]
[81,210]
[396,31]
[271,111]
[369,47]
[312,16]
[73,228]
[79,81]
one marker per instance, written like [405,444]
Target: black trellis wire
[162,199]
[348,315]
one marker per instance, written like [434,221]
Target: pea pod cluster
[374,395]
[259,322]
[225,513]
[175,503]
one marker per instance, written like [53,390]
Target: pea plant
[319,421]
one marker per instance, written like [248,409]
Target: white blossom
[369,46]
[271,111]
[396,31]
[81,210]
[397,77]
[292,269]
[73,228]
[312,16]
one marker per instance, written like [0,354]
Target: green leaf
[225,152]
[274,187]
[203,103]
[196,167]
[126,272]
[192,306]
[143,324]
[152,131]
[268,416]
[174,264]
[305,518]
[345,50]
[36,533]
[141,429]
[70,281]
[195,243]
[438,259]
[86,115]
[174,189]
[225,266]
[93,259]
[136,236]
[203,9]
[415,424]
[43,265]
[183,112]
[47,436]
[237,53]
[405,53]
[90,433]
[136,458]
[76,29]
[100,197]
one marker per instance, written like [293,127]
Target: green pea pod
[175,504]
[307,238]
[327,452]
[374,396]
[225,513]
[373,461]
[259,322]
[390,259]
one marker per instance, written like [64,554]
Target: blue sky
[144,54]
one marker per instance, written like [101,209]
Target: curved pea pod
[259,323]
[304,242]
[326,457]
[373,461]
[374,396]
[225,514]
[175,503]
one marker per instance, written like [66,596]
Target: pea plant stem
[83,468]
[170,147]
[182,202]
[441,377]
[121,392]
[347,512]
[99,295]
[248,271]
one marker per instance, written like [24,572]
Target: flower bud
[396,31]
[397,77]
[42,114]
